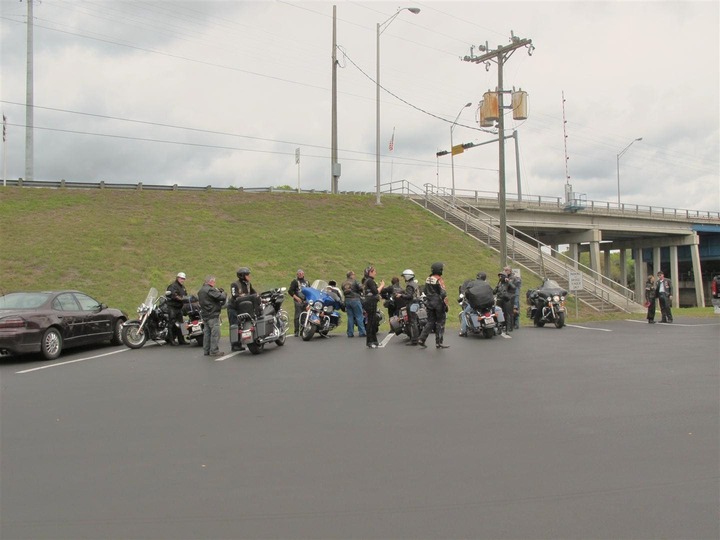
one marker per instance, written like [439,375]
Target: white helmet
[408,274]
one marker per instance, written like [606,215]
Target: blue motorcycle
[322,312]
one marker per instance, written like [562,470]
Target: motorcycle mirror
[167,293]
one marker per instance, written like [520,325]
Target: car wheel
[116,338]
[51,344]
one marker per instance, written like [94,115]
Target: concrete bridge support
[641,275]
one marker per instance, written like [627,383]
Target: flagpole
[4,129]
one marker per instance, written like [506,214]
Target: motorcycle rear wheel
[488,332]
[255,348]
[131,338]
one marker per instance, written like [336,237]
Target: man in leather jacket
[437,306]
[239,289]
[295,292]
[505,291]
[353,305]
[211,300]
[663,289]
[178,294]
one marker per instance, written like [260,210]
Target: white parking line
[70,362]
[386,340]
[228,355]
[588,328]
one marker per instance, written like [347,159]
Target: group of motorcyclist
[364,296]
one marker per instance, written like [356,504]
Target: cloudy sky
[223,93]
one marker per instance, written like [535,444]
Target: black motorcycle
[400,323]
[482,321]
[152,322]
[193,326]
[264,321]
[547,304]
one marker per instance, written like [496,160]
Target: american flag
[392,141]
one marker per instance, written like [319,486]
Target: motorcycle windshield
[313,295]
[151,297]
[551,287]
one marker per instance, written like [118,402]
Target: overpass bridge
[685,244]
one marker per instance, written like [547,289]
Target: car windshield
[23,300]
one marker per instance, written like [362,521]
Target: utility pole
[29,105]
[334,165]
[500,55]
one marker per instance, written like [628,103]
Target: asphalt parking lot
[601,430]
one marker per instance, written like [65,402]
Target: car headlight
[556,298]
[317,306]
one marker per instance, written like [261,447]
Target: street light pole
[452,154]
[618,164]
[381,27]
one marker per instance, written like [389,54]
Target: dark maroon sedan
[49,321]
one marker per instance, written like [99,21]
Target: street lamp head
[414,10]
[639,139]
[469,104]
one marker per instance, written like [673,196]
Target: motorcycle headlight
[329,309]
[318,306]
[556,298]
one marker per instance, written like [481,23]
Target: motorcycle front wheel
[560,320]
[131,337]
[307,332]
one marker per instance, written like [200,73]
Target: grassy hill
[116,244]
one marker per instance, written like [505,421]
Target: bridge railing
[490,199]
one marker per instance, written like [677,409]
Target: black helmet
[437,268]
[242,272]
[481,276]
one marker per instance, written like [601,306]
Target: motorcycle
[321,313]
[193,325]
[482,321]
[400,324]
[547,304]
[264,324]
[152,322]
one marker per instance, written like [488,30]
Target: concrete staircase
[598,292]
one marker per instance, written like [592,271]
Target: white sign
[575,280]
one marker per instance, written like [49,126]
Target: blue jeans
[211,335]
[353,308]
[463,318]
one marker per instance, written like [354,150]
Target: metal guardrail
[543,202]
[140,186]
